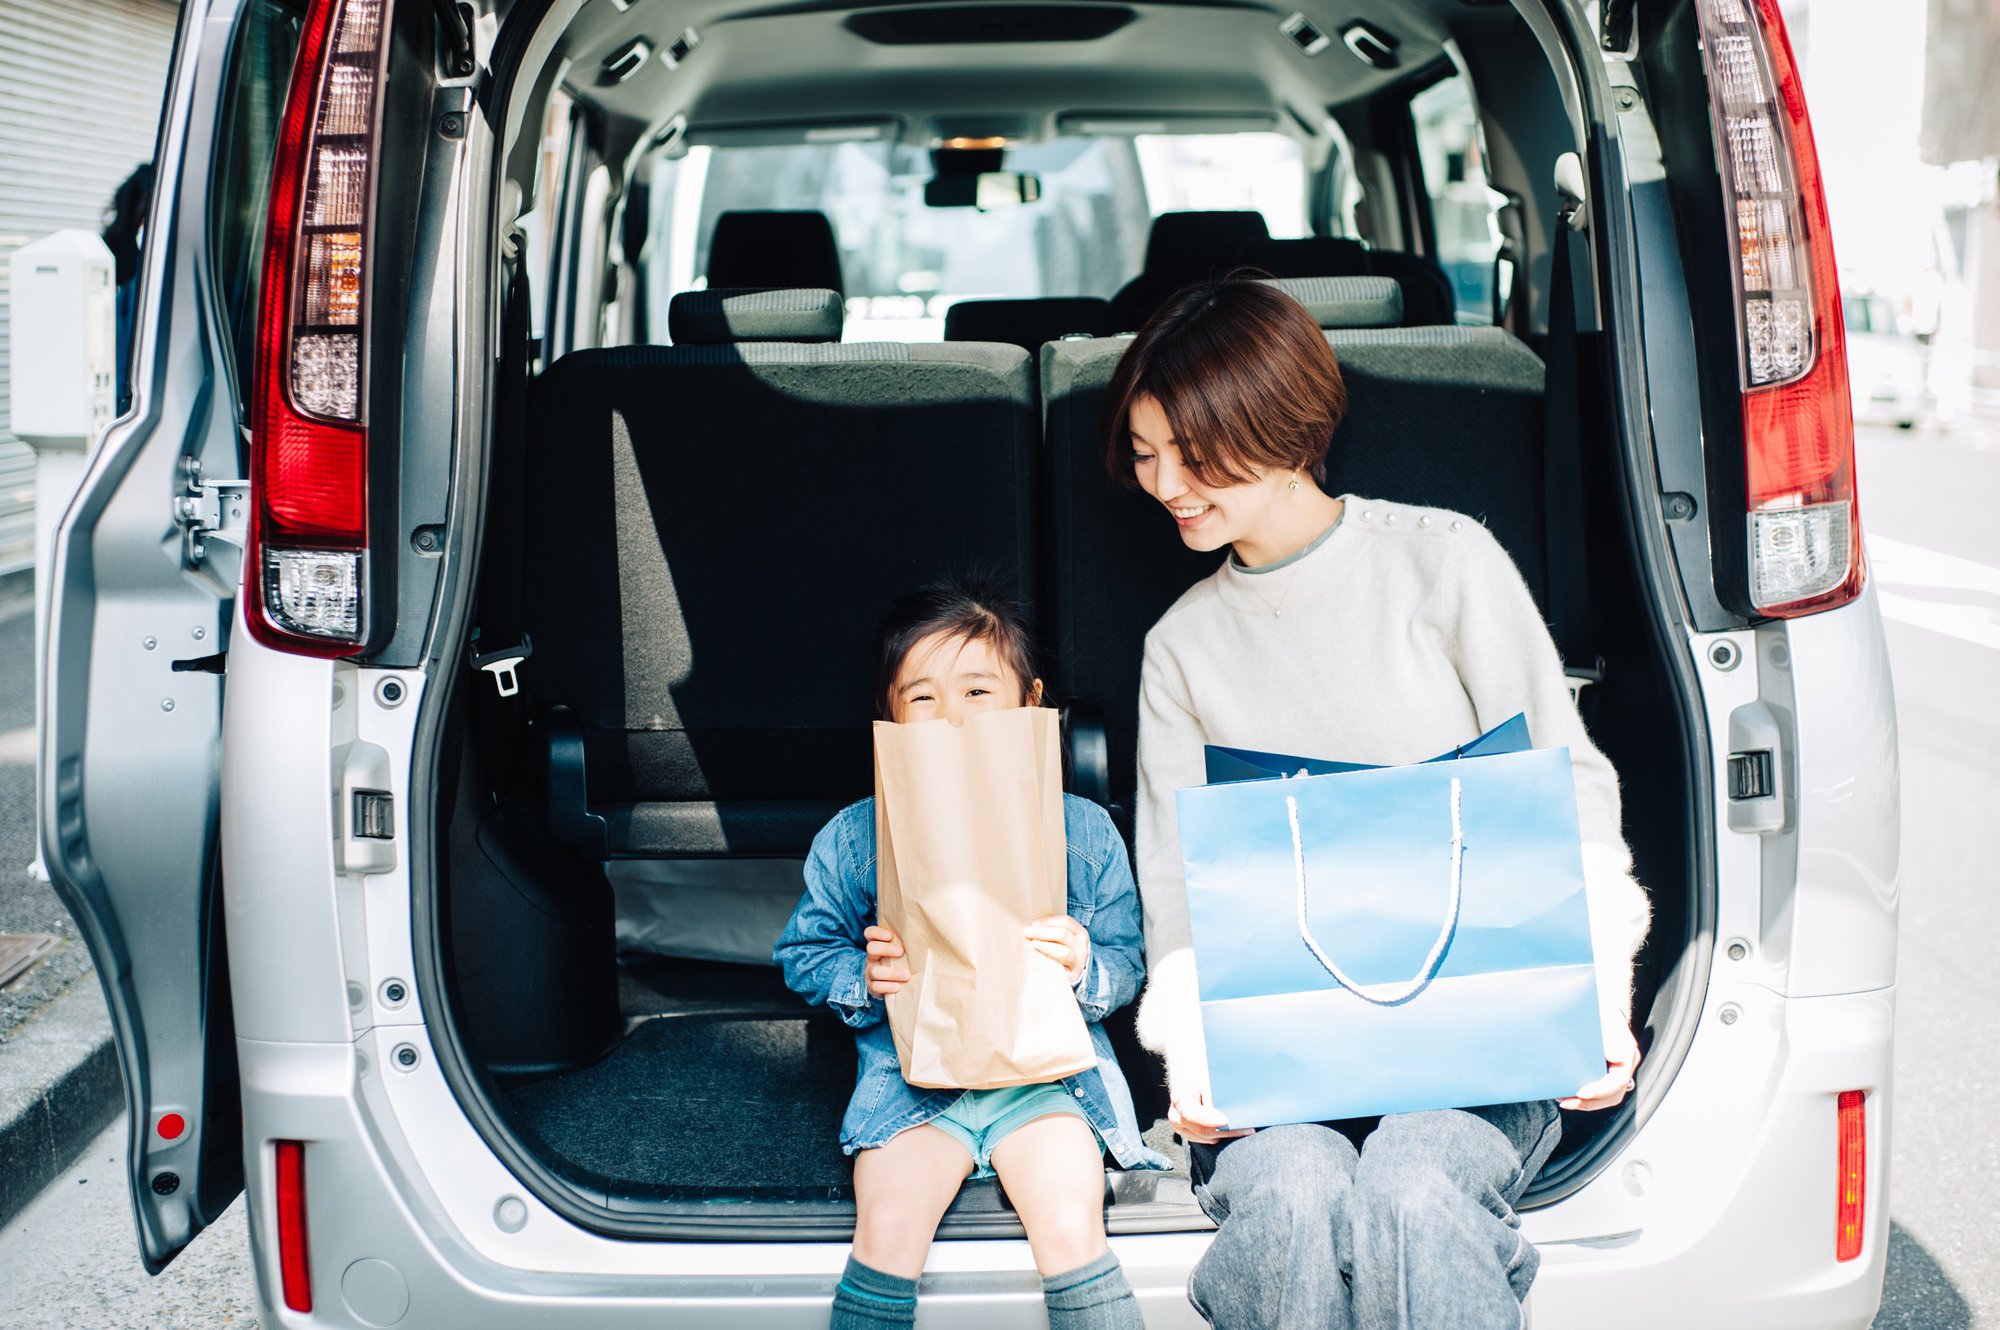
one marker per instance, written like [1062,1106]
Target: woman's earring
[1295,481]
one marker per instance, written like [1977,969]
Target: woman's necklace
[1277,610]
[1297,560]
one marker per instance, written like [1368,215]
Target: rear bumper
[1720,1212]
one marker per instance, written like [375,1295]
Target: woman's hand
[1609,1090]
[1062,939]
[1199,1121]
[887,970]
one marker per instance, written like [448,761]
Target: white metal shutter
[81,82]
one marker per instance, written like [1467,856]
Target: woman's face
[947,677]
[1209,516]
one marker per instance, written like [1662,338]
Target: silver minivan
[454,649]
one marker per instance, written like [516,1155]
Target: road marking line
[17,747]
[1904,564]
[1968,623]
[1900,564]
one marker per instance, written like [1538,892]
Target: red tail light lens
[1798,418]
[295,1273]
[309,436]
[1853,1170]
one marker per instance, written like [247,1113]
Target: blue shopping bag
[1387,939]
[1227,764]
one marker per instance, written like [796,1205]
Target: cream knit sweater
[1406,632]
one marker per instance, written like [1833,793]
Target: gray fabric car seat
[714,533]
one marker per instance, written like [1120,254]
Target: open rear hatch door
[147,561]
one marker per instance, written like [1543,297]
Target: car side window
[1464,207]
[260,71]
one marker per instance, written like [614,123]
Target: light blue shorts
[981,1119]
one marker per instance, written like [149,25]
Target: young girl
[951,651]
[1384,633]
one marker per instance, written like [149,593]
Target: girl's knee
[893,1232]
[1067,1237]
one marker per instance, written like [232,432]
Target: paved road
[1936,559]
[1927,504]
[69,1261]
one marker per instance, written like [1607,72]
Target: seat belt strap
[1562,477]
[500,643]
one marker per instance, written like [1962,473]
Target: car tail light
[1798,419]
[1853,1170]
[295,1275]
[306,575]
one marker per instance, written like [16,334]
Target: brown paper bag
[970,847]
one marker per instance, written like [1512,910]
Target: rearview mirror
[985,191]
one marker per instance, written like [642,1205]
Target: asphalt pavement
[1926,504]
[69,1259]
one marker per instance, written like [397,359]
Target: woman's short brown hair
[1245,377]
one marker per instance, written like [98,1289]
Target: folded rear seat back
[715,532]
[1441,417]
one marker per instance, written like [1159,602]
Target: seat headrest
[1310,256]
[1026,323]
[1427,294]
[709,318]
[794,250]
[1345,302]
[1201,240]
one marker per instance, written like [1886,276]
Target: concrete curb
[59,1087]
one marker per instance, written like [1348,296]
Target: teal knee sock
[1092,1297]
[867,1299]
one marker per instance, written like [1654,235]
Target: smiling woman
[1412,631]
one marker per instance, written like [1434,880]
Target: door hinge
[218,510]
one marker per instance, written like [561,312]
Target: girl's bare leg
[901,1190]
[1053,1170]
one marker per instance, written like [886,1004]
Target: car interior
[771,354]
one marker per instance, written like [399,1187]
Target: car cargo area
[700,504]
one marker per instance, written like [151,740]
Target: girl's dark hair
[975,608]
[1245,377]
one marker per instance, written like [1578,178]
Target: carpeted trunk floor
[729,1087]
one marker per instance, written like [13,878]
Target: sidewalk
[59,1080]
[68,1261]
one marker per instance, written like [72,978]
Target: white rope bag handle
[1385,995]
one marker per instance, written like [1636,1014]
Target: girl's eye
[921,697]
[978,692]
[1139,458]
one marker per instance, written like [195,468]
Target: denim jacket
[824,958]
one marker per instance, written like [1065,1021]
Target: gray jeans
[1407,1226]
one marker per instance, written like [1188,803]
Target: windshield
[904,263]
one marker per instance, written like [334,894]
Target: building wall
[81,82]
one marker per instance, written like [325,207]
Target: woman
[1379,633]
